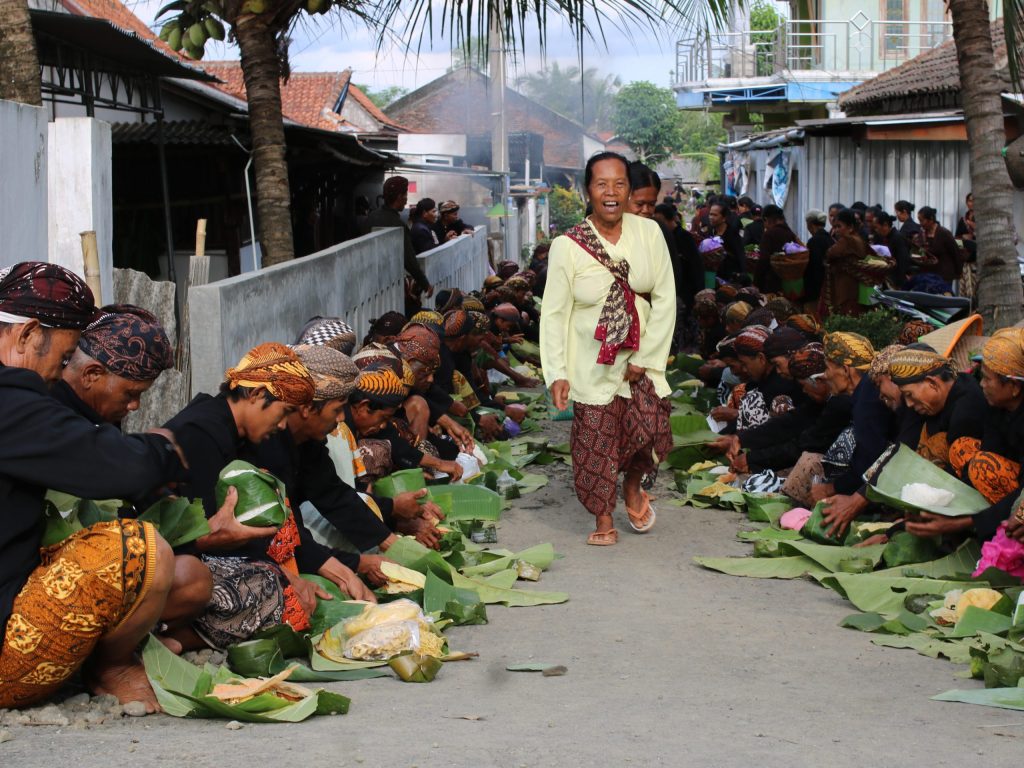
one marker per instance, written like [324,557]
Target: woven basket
[712,260]
[958,341]
[790,266]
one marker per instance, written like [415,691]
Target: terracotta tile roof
[457,102]
[934,73]
[354,91]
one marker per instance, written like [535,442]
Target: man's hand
[840,511]
[407,505]
[560,394]
[727,444]
[634,373]
[307,592]
[167,435]
[739,463]
[226,532]
[347,580]
[451,235]
[369,569]
[490,426]
[417,413]
[452,468]
[724,413]
[458,410]
[462,436]
[926,524]
[820,490]
[424,531]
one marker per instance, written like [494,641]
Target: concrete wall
[459,263]
[23,220]
[356,280]
[80,195]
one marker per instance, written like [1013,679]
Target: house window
[895,36]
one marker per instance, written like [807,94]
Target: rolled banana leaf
[264,658]
[906,548]
[460,606]
[415,668]
[261,496]
[178,520]
[907,464]
[399,482]
[766,507]
[815,528]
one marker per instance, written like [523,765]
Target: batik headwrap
[784,342]
[507,312]
[49,293]
[759,316]
[750,341]
[883,358]
[492,281]
[334,374]
[781,308]
[382,386]
[517,284]
[388,324]
[1003,354]
[726,293]
[432,320]
[457,324]
[129,342]
[807,361]
[909,366]
[481,322]
[377,355]
[415,351]
[805,323]
[852,349]
[506,269]
[422,335]
[913,330]
[329,332]
[618,327]
[473,304]
[736,312]
[449,300]
[277,369]
[706,310]
[726,347]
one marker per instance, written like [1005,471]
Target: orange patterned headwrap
[909,366]
[1003,354]
[277,369]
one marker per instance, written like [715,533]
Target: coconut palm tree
[19,64]
[999,284]
[261,29]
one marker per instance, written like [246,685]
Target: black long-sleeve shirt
[813,430]
[44,445]
[871,425]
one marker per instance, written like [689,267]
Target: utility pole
[499,128]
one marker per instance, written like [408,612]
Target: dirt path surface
[668,664]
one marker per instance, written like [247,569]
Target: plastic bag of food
[261,496]
[383,641]
[373,615]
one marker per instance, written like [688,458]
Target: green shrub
[566,208]
[879,326]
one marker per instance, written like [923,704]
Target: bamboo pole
[91,261]
[201,237]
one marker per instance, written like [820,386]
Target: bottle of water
[506,486]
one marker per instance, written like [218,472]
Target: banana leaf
[956,565]
[410,553]
[885,594]
[831,558]
[976,620]
[685,424]
[540,556]
[907,464]
[178,520]
[769,534]
[763,567]
[330,612]
[698,437]
[997,661]
[415,668]
[261,496]
[531,481]
[182,690]
[468,502]
[688,363]
[685,456]
[491,594]
[815,528]
[1003,698]
[264,658]
[905,623]
[957,651]
[66,514]
[460,606]
[766,507]
[906,548]
[402,481]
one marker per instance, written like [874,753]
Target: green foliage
[879,326]
[764,22]
[586,97]
[385,97]
[472,53]
[646,117]
[702,132]
[566,208]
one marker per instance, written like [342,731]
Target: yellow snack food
[383,641]
[402,579]
[372,615]
[980,598]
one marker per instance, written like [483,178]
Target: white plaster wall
[23,216]
[80,195]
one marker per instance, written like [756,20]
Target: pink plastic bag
[795,518]
[1003,553]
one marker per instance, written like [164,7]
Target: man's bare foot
[127,682]
[172,645]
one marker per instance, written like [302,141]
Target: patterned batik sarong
[627,434]
[992,475]
[247,596]
[84,588]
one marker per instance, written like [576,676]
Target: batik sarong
[992,475]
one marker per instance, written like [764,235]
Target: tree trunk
[261,70]
[999,283]
[19,63]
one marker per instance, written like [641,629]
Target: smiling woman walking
[606,328]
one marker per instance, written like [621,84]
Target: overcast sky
[324,45]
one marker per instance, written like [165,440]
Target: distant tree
[385,97]
[764,25]
[566,208]
[702,132]
[646,117]
[472,54]
[587,98]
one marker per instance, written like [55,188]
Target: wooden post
[198,274]
[91,260]
[201,237]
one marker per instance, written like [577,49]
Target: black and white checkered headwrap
[329,332]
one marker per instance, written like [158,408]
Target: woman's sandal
[603,538]
[642,521]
